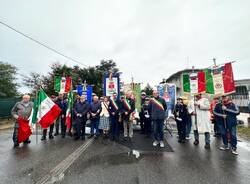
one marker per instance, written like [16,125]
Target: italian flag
[194,83]
[220,80]
[47,110]
[62,84]
[69,109]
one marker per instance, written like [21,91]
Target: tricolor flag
[194,83]
[69,109]
[62,84]
[47,110]
[220,80]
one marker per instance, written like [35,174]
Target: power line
[42,44]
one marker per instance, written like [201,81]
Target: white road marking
[57,174]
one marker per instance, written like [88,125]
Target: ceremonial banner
[62,84]
[136,89]
[168,92]
[111,84]
[194,83]
[220,80]
[47,111]
[85,90]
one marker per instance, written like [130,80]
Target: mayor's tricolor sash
[157,103]
[126,103]
[114,104]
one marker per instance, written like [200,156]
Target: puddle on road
[125,158]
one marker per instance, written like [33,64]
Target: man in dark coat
[181,115]
[114,111]
[95,110]
[158,109]
[61,102]
[226,114]
[81,109]
[127,108]
[141,114]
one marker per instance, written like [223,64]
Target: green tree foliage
[93,75]
[8,84]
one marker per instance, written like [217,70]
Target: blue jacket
[231,113]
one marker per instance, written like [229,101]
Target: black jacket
[112,108]
[81,108]
[95,107]
[156,111]
[180,112]
[124,108]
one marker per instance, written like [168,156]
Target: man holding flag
[226,113]
[21,112]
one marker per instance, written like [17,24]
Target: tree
[33,81]
[93,75]
[8,86]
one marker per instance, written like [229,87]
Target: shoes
[179,140]
[76,138]
[56,134]
[43,138]
[183,141]
[207,146]
[234,151]
[51,137]
[125,138]
[155,143]
[90,136]
[188,138]
[27,142]
[16,145]
[224,147]
[196,142]
[162,144]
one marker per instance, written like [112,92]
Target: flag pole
[36,120]
[195,110]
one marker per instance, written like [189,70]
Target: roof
[180,72]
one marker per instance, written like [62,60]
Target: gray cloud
[148,39]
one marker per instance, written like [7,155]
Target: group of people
[200,114]
[113,116]
[109,116]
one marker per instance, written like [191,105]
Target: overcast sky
[148,39]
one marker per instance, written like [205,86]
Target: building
[176,78]
[242,94]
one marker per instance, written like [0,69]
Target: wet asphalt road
[103,161]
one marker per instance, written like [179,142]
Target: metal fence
[6,105]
